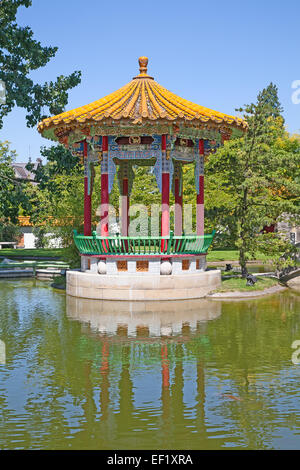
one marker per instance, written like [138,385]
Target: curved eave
[49,132]
[140,101]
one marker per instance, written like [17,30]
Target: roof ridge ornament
[143,63]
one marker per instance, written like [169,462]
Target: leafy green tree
[59,160]
[61,166]
[11,190]
[20,54]
[144,188]
[9,232]
[57,208]
[251,180]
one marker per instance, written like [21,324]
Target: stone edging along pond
[244,294]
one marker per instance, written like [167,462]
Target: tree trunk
[243,263]
[242,255]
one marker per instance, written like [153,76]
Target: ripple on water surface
[83,374]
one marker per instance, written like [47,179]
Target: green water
[193,375]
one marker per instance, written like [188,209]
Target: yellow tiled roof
[24,221]
[142,99]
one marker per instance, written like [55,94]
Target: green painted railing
[119,245]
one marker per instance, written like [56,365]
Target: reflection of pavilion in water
[143,319]
[138,339]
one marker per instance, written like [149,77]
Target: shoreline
[244,295]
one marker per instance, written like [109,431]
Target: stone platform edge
[136,287]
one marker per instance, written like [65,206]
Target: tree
[144,187]
[251,180]
[11,190]
[59,160]
[20,54]
[270,98]
[56,180]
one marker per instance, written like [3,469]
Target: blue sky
[215,53]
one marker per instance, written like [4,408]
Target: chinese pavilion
[142,123]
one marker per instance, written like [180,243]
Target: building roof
[142,99]
[21,173]
[24,221]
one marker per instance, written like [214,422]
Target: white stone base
[156,265]
[141,287]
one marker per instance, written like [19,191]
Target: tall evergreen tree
[251,180]
[269,97]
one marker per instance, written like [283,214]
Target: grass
[36,252]
[230,255]
[223,255]
[239,284]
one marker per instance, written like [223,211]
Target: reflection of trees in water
[168,420]
[255,334]
[26,313]
[253,348]
[253,337]
[76,377]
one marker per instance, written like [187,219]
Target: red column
[178,208]
[200,196]
[165,395]
[87,197]
[104,389]
[125,208]
[165,196]
[104,191]
[165,367]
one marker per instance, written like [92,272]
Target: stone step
[16,273]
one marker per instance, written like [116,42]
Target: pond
[79,374]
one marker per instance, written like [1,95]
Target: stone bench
[5,244]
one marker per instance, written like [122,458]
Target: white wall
[30,238]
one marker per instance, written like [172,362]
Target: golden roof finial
[143,61]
